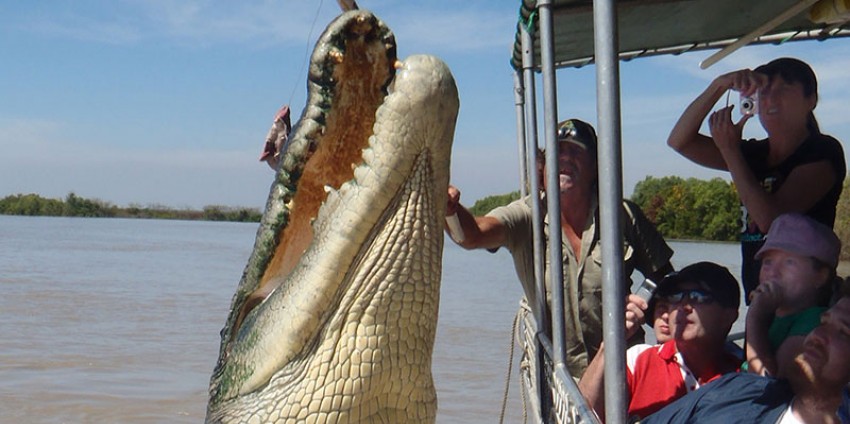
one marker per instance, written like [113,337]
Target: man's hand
[635,317]
[453,200]
[766,298]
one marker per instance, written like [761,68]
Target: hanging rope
[306,51]
[510,366]
[524,364]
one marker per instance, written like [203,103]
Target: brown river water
[113,320]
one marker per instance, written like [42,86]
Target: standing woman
[795,169]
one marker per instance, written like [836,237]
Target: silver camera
[646,289]
[749,105]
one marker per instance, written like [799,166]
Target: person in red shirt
[813,392]
[703,301]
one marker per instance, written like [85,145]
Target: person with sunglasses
[657,309]
[798,268]
[815,391]
[796,168]
[703,300]
[511,226]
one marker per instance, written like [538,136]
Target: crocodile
[334,318]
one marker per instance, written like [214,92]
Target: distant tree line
[680,208]
[73,205]
[710,210]
[486,204]
[690,208]
[693,209]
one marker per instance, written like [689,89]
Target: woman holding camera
[795,169]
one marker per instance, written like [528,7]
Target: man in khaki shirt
[511,226]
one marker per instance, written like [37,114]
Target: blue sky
[159,102]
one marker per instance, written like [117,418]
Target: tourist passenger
[811,392]
[795,169]
[511,226]
[798,262]
[703,299]
[658,309]
[277,137]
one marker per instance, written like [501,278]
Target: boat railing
[548,382]
[552,390]
[553,394]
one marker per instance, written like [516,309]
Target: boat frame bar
[550,347]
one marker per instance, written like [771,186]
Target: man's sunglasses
[693,297]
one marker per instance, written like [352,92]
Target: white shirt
[788,416]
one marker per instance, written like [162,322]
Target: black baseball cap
[711,277]
[578,132]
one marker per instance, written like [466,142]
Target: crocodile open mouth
[335,315]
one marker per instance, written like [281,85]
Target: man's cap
[711,277]
[798,234]
[578,132]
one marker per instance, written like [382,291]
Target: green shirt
[798,324]
[644,249]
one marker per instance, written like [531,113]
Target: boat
[554,36]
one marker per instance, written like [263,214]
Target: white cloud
[201,22]
[267,22]
[440,25]
[454,29]
[86,28]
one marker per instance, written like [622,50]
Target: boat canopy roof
[654,27]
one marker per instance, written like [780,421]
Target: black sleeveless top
[816,148]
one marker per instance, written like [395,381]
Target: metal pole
[538,302]
[520,135]
[610,205]
[553,201]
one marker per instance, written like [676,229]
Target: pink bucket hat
[801,235]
